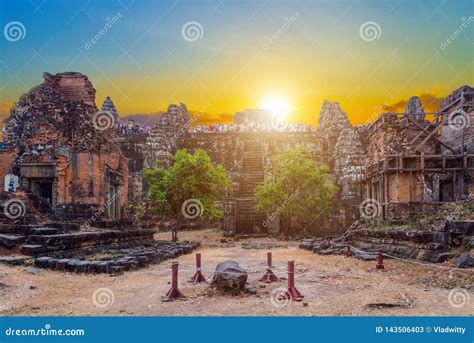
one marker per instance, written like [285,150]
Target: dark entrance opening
[446,191]
[45,190]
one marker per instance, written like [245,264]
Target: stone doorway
[40,179]
[112,197]
[44,189]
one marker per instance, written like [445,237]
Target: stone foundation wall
[420,245]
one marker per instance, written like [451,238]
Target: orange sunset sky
[245,53]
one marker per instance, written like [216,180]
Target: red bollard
[295,295]
[380,260]
[198,277]
[174,292]
[269,275]
[349,251]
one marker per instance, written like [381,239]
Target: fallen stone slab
[32,249]
[115,270]
[465,261]
[33,270]
[12,261]
[82,266]
[329,251]
[307,244]
[42,262]
[10,241]
[365,256]
[43,231]
[71,265]
[465,227]
[61,264]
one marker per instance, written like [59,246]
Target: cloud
[430,102]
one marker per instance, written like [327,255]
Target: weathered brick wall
[6,159]
[56,123]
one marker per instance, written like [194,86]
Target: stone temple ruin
[53,147]
[66,184]
[74,171]
[417,160]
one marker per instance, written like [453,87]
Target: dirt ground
[331,285]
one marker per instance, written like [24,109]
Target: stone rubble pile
[121,259]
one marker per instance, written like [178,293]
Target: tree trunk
[174,230]
[284,226]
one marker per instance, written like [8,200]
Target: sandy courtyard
[331,285]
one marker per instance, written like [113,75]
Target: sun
[277,105]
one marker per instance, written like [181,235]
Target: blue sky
[144,63]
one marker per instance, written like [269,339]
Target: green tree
[295,189]
[189,188]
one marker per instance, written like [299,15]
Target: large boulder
[229,276]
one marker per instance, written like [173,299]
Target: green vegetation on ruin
[296,189]
[191,178]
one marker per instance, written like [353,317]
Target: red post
[380,260]
[349,251]
[174,292]
[269,275]
[295,295]
[198,277]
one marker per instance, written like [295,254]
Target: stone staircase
[35,234]
[248,221]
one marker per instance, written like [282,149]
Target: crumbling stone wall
[349,156]
[55,135]
[163,139]
[332,120]
[459,131]
[229,149]
[134,148]
[407,170]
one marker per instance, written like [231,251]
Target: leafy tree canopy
[192,179]
[296,188]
